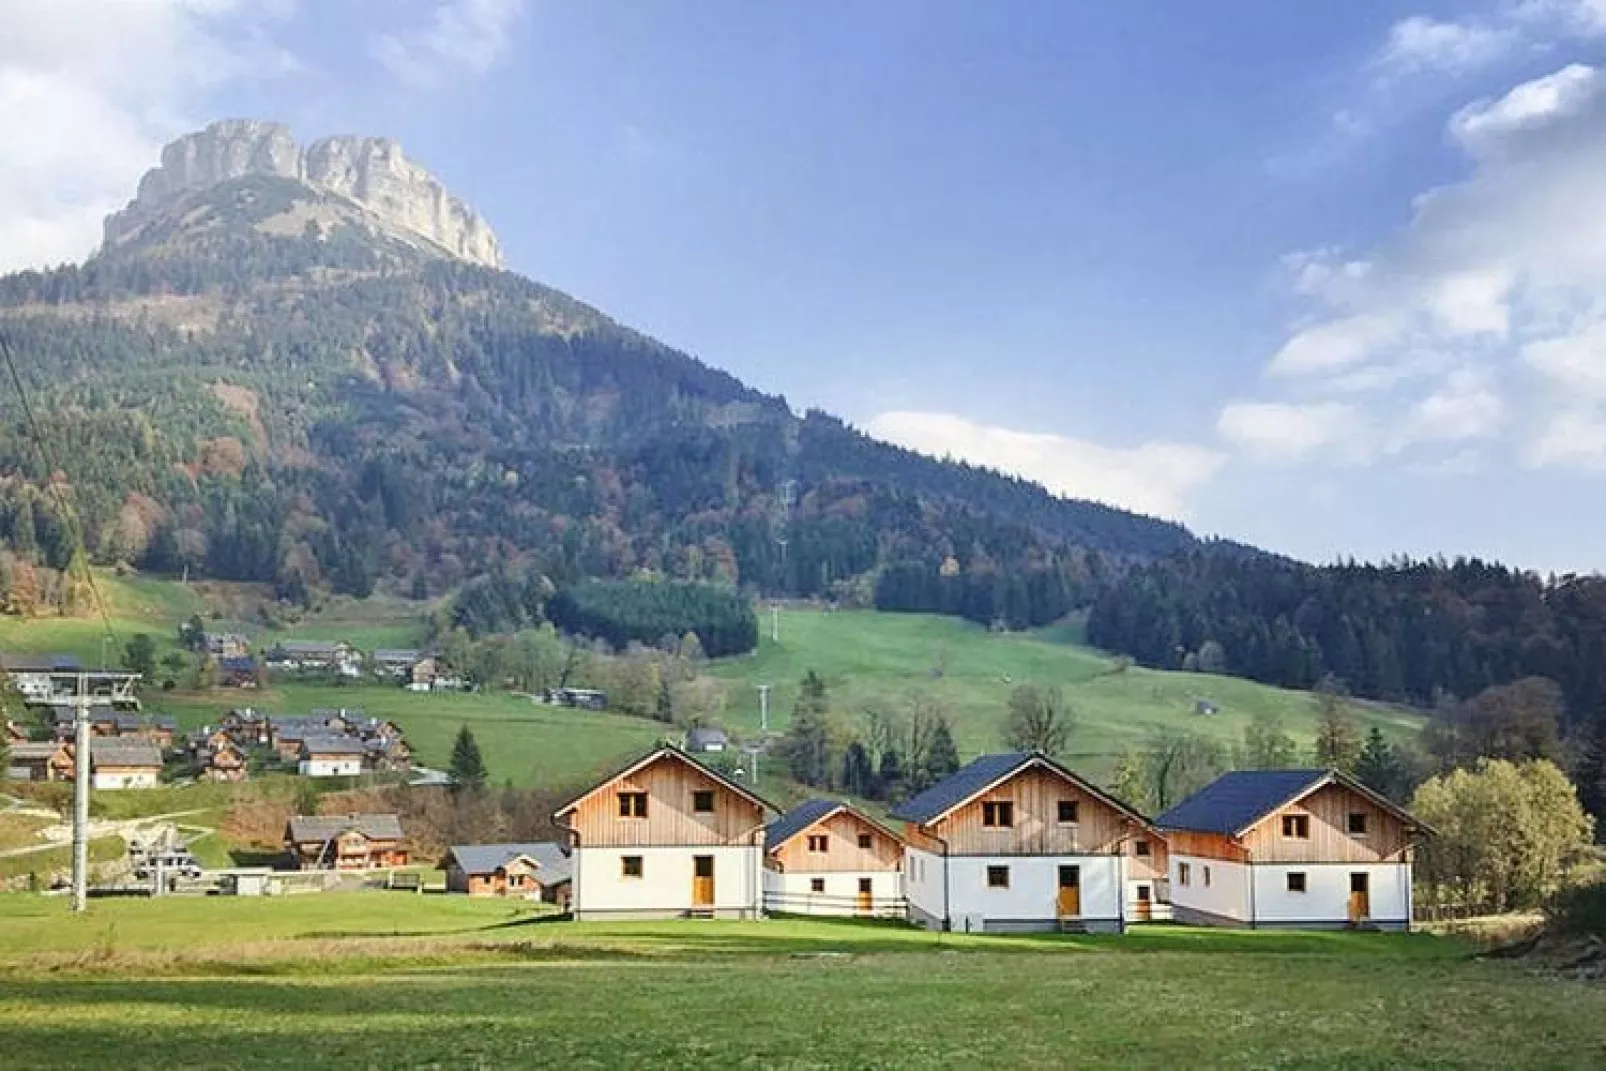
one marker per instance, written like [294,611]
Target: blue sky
[1319,276]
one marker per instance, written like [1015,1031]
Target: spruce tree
[942,757]
[467,769]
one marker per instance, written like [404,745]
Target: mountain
[306,366]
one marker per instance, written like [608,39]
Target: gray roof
[554,866]
[306,646]
[704,736]
[396,654]
[959,786]
[797,820]
[1235,801]
[25,752]
[304,828]
[332,744]
[121,751]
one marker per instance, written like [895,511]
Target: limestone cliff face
[373,173]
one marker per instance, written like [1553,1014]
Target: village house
[581,698]
[1296,848]
[538,871]
[247,727]
[315,656]
[49,760]
[827,858]
[124,762]
[1017,842]
[387,753]
[402,665]
[238,672]
[346,842]
[221,645]
[224,761]
[666,837]
[706,740]
[331,755]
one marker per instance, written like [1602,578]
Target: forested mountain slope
[265,376]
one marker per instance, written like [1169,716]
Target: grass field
[395,980]
[877,660]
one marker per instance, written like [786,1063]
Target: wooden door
[866,902]
[1069,902]
[1145,899]
[702,881]
[1360,897]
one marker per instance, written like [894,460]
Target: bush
[1579,909]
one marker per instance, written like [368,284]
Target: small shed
[538,871]
[706,740]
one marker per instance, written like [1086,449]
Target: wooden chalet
[666,837]
[540,871]
[824,857]
[49,760]
[225,761]
[124,762]
[1294,848]
[346,842]
[1019,842]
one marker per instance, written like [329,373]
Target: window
[1144,894]
[632,805]
[1296,881]
[819,842]
[1296,826]
[865,888]
[864,841]
[817,885]
[1207,877]
[998,814]
[1356,824]
[1068,812]
[1140,847]
[1184,871]
[702,801]
[998,877]
[630,866]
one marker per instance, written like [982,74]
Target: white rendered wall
[325,767]
[121,779]
[793,892]
[1158,912]
[1033,890]
[1227,895]
[922,884]
[1325,900]
[665,886]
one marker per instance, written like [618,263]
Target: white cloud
[460,36]
[1466,407]
[1573,364]
[1485,124]
[1283,432]
[1419,44]
[89,90]
[1334,345]
[1573,438]
[1154,477]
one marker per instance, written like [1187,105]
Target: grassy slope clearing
[481,988]
[872,659]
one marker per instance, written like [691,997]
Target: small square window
[819,842]
[1296,881]
[1140,847]
[632,805]
[817,885]
[998,814]
[865,842]
[1296,826]
[1068,812]
[702,801]
[1356,823]
[998,877]
[630,866]
[1184,872]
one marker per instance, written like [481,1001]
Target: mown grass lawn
[772,994]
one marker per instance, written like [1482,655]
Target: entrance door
[1360,897]
[1069,902]
[1145,898]
[702,881]
[865,900]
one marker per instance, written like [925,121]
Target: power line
[69,515]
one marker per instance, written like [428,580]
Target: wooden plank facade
[843,852]
[1035,796]
[673,786]
[1327,812]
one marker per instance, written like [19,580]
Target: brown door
[1360,897]
[1069,902]
[865,900]
[1145,897]
[702,881]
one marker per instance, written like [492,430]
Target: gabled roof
[304,827]
[808,813]
[552,864]
[331,744]
[703,736]
[1235,802]
[123,751]
[663,751]
[970,781]
[396,654]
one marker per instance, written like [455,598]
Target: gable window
[1068,812]
[998,814]
[630,866]
[632,805]
[865,842]
[817,885]
[1184,873]
[1140,847]
[1355,823]
[998,877]
[1296,826]
[702,801]
[819,842]
[1296,881]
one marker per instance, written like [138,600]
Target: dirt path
[59,834]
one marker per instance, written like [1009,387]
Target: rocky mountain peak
[372,173]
